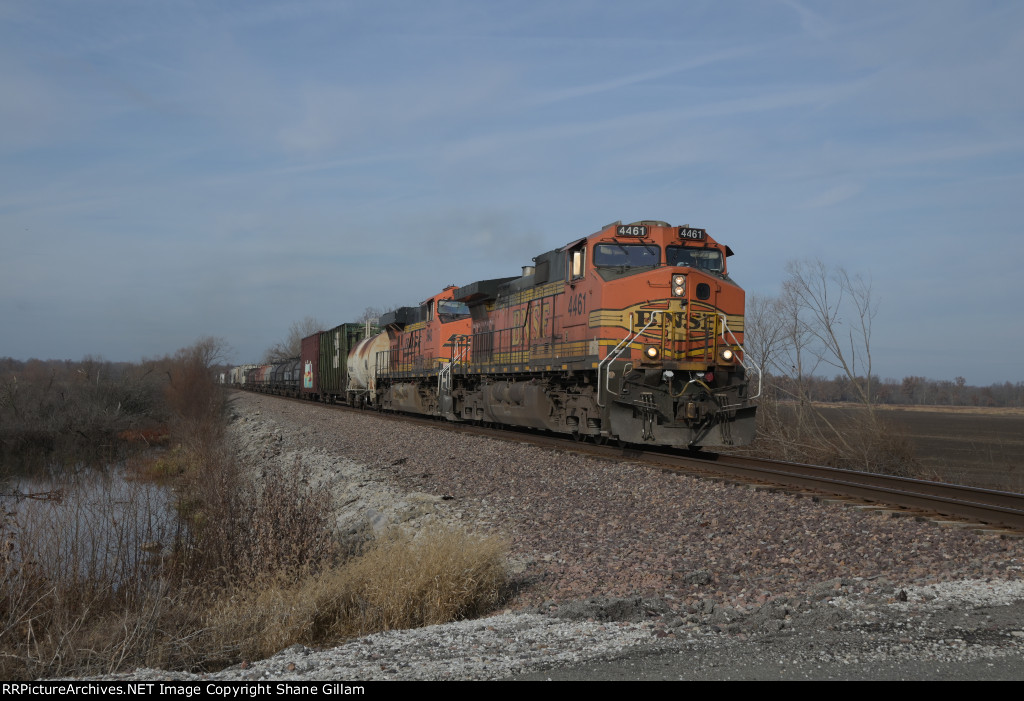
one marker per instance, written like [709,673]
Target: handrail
[742,358]
[444,377]
[623,344]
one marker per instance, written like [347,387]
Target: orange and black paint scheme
[633,333]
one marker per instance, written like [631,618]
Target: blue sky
[175,169]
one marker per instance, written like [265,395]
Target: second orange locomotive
[632,333]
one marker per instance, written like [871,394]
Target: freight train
[633,333]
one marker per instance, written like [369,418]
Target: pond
[84,524]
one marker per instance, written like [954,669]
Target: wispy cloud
[673,69]
[332,148]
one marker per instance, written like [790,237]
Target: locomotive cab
[675,373]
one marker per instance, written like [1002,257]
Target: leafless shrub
[844,437]
[241,531]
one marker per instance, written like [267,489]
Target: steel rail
[1010,500]
[987,506]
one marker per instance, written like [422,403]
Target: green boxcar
[335,345]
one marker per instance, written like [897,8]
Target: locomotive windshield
[709,259]
[449,310]
[626,255]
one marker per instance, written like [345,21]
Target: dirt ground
[965,445]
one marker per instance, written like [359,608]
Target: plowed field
[980,447]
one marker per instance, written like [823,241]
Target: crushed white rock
[704,603]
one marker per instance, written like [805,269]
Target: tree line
[85,409]
[813,344]
[912,390]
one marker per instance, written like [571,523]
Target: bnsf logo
[678,320]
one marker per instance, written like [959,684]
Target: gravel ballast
[624,571]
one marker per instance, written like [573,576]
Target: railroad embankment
[621,571]
[580,526]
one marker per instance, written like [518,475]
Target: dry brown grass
[440,576]
[257,570]
[404,582]
[940,409]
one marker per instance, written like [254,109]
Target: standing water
[85,526]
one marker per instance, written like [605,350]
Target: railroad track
[986,507]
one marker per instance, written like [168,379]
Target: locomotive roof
[547,265]
[480,291]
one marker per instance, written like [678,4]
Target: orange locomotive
[632,333]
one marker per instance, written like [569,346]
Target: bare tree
[291,345]
[820,323]
[775,337]
[207,352]
[834,312]
[371,314]
[763,335]
[191,392]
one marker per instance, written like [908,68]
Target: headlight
[678,285]
[651,352]
[727,355]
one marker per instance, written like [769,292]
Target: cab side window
[577,262]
